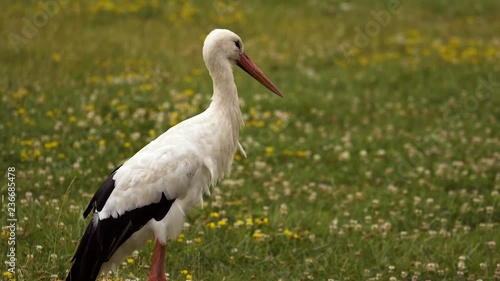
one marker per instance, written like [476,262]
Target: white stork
[150,194]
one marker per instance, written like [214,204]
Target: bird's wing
[103,237]
[154,171]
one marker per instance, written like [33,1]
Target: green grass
[381,162]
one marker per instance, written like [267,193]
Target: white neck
[225,96]
[225,111]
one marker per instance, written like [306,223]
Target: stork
[150,194]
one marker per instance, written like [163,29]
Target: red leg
[157,272]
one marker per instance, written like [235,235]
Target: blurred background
[381,162]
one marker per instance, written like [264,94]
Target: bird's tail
[87,260]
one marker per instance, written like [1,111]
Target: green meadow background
[382,162]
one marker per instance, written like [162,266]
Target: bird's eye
[237,43]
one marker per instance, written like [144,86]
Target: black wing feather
[101,196]
[103,237]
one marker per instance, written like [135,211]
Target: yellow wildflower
[24,155]
[256,123]
[257,234]
[180,238]
[146,87]
[56,57]
[187,11]
[222,222]
[50,145]
[109,79]
[26,142]
[303,153]
[20,93]
[290,234]
[174,118]
[363,60]
[95,79]
[239,223]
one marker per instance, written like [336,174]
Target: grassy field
[382,162]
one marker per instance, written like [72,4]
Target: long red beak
[246,64]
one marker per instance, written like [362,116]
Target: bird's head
[222,47]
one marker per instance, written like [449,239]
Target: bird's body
[150,194]
[181,163]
